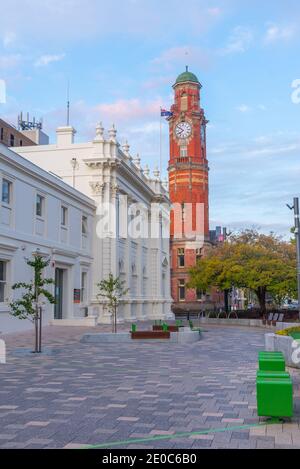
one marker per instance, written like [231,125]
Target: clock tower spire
[188,185]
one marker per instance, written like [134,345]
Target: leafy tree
[28,306]
[112,289]
[211,272]
[261,263]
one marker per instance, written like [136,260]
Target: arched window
[184,102]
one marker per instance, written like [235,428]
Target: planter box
[170,329]
[150,335]
[285,344]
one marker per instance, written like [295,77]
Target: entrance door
[59,280]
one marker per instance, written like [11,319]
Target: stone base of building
[135,310]
[83,322]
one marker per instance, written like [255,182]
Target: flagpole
[160,146]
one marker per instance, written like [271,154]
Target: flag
[165,113]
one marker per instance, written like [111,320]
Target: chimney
[65,136]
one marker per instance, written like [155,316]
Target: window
[40,202]
[21,143]
[184,102]
[180,254]
[199,294]
[183,151]
[3,279]
[181,290]
[198,255]
[6,191]
[64,216]
[84,225]
[1,133]
[83,297]
[12,140]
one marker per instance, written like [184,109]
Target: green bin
[269,363]
[274,397]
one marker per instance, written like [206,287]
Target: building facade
[11,137]
[188,187]
[132,220]
[39,213]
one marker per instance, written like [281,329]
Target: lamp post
[295,207]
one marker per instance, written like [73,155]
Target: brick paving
[90,394]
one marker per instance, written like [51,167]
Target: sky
[122,57]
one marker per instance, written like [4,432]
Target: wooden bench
[150,335]
[170,328]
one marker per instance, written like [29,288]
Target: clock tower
[188,187]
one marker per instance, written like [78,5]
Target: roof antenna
[68,103]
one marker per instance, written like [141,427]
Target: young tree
[261,263]
[28,306]
[113,291]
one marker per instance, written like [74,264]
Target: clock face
[183,130]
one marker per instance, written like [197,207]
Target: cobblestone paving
[86,394]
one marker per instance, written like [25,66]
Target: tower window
[181,260]
[12,140]
[184,102]
[181,290]
[183,151]
[198,255]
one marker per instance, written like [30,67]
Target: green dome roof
[187,76]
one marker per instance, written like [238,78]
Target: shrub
[289,331]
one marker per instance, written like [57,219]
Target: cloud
[81,19]
[239,41]
[214,11]
[45,60]
[276,33]
[243,108]
[9,38]
[10,61]
[157,82]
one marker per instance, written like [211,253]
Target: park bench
[274,387]
[280,319]
[265,320]
[150,335]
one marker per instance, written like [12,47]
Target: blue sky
[122,57]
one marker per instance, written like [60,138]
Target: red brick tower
[188,185]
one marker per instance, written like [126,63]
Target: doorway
[59,293]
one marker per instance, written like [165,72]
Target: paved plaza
[137,395]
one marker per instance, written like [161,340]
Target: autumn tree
[259,262]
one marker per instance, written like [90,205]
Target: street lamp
[295,207]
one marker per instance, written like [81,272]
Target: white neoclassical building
[131,226]
[39,213]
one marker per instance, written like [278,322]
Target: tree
[29,305]
[112,290]
[212,271]
[261,263]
